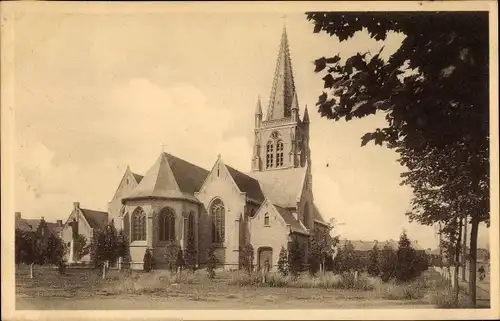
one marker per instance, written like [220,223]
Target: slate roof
[170,177]
[96,219]
[295,225]
[361,245]
[247,184]
[138,178]
[24,225]
[282,187]
[317,215]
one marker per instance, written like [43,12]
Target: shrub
[283,262]
[190,254]
[406,268]
[211,263]
[172,256]
[373,264]
[147,261]
[295,258]
[445,299]
[387,262]
[245,279]
[247,258]
[401,291]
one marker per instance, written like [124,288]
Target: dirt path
[145,302]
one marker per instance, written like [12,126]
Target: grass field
[85,289]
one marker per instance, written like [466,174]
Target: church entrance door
[265,254]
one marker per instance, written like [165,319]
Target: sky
[97,92]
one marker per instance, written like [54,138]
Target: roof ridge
[183,160]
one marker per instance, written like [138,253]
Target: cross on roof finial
[163,148]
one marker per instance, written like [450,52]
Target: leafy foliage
[387,263]
[283,268]
[434,92]
[347,260]
[172,255]
[211,263]
[406,262]
[247,257]
[190,254]
[32,248]
[81,247]
[295,258]
[373,265]
[105,246]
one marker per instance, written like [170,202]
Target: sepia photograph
[311,160]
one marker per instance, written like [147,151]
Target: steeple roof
[305,119]
[258,109]
[170,177]
[283,89]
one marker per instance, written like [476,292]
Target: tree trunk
[464,249]
[104,268]
[473,260]
[31,270]
[457,262]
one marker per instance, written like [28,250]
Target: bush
[245,279]
[401,291]
[283,262]
[406,268]
[373,264]
[247,257]
[387,262]
[446,300]
[172,256]
[295,258]
[211,263]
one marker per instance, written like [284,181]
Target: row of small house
[80,221]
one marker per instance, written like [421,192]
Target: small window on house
[266,219]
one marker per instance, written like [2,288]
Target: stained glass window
[217,212]
[138,225]
[167,225]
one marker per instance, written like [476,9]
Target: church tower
[282,138]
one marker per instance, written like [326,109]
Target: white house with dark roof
[225,208]
[81,221]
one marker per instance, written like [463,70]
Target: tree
[179,262]
[434,93]
[80,246]
[105,248]
[211,262]
[147,261]
[32,248]
[373,264]
[283,268]
[346,260]
[247,257]
[190,254]
[406,259]
[171,256]
[387,263]
[123,246]
[295,258]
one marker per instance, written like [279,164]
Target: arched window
[217,213]
[167,225]
[138,225]
[191,226]
[279,154]
[266,219]
[269,154]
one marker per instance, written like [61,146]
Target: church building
[177,201]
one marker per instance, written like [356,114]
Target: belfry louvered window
[269,154]
[279,154]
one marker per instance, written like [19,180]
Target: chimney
[18,214]
[76,205]
[59,223]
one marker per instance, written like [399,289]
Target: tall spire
[283,89]
[258,108]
